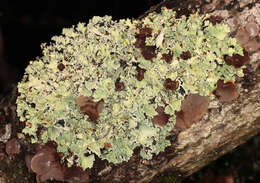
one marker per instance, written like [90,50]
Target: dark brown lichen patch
[140,73]
[140,42]
[148,52]
[45,163]
[145,32]
[192,110]
[119,86]
[237,60]
[226,92]
[42,161]
[167,57]
[215,19]
[161,118]
[170,84]
[89,107]
[180,122]
[141,36]
[61,66]
[13,147]
[185,55]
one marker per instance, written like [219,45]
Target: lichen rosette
[105,88]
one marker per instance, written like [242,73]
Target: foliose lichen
[98,88]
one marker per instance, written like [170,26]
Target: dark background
[27,24]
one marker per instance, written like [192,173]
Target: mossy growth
[105,88]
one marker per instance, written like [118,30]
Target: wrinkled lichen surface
[135,67]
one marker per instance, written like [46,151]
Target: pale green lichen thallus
[98,88]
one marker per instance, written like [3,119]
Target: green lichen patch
[105,88]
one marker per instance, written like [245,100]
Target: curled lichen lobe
[119,86]
[193,108]
[89,107]
[167,57]
[140,73]
[185,55]
[226,91]
[170,85]
[161,118]
[237,60]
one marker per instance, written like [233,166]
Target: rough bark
[224,127]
